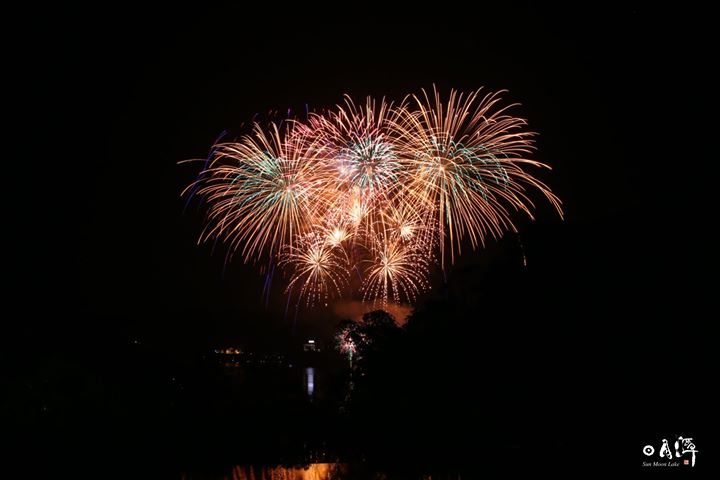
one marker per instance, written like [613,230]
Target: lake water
[310,384]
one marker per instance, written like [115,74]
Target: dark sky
[619,97]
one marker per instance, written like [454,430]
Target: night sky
[620,98]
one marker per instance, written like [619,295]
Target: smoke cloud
[355,309]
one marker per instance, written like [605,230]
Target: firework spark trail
[193,189]
[376,187]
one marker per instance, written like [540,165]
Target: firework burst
[359,148]
[467,156]
[318,267]
[378,188]
[396,271]
[260,191]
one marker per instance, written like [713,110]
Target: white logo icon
[682,446]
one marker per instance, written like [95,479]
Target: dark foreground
[451,393]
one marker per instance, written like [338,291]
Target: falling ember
[378,188]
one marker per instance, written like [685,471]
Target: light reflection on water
[315,471]
[310,381]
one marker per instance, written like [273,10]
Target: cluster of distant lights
[367,199]
[229,351]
